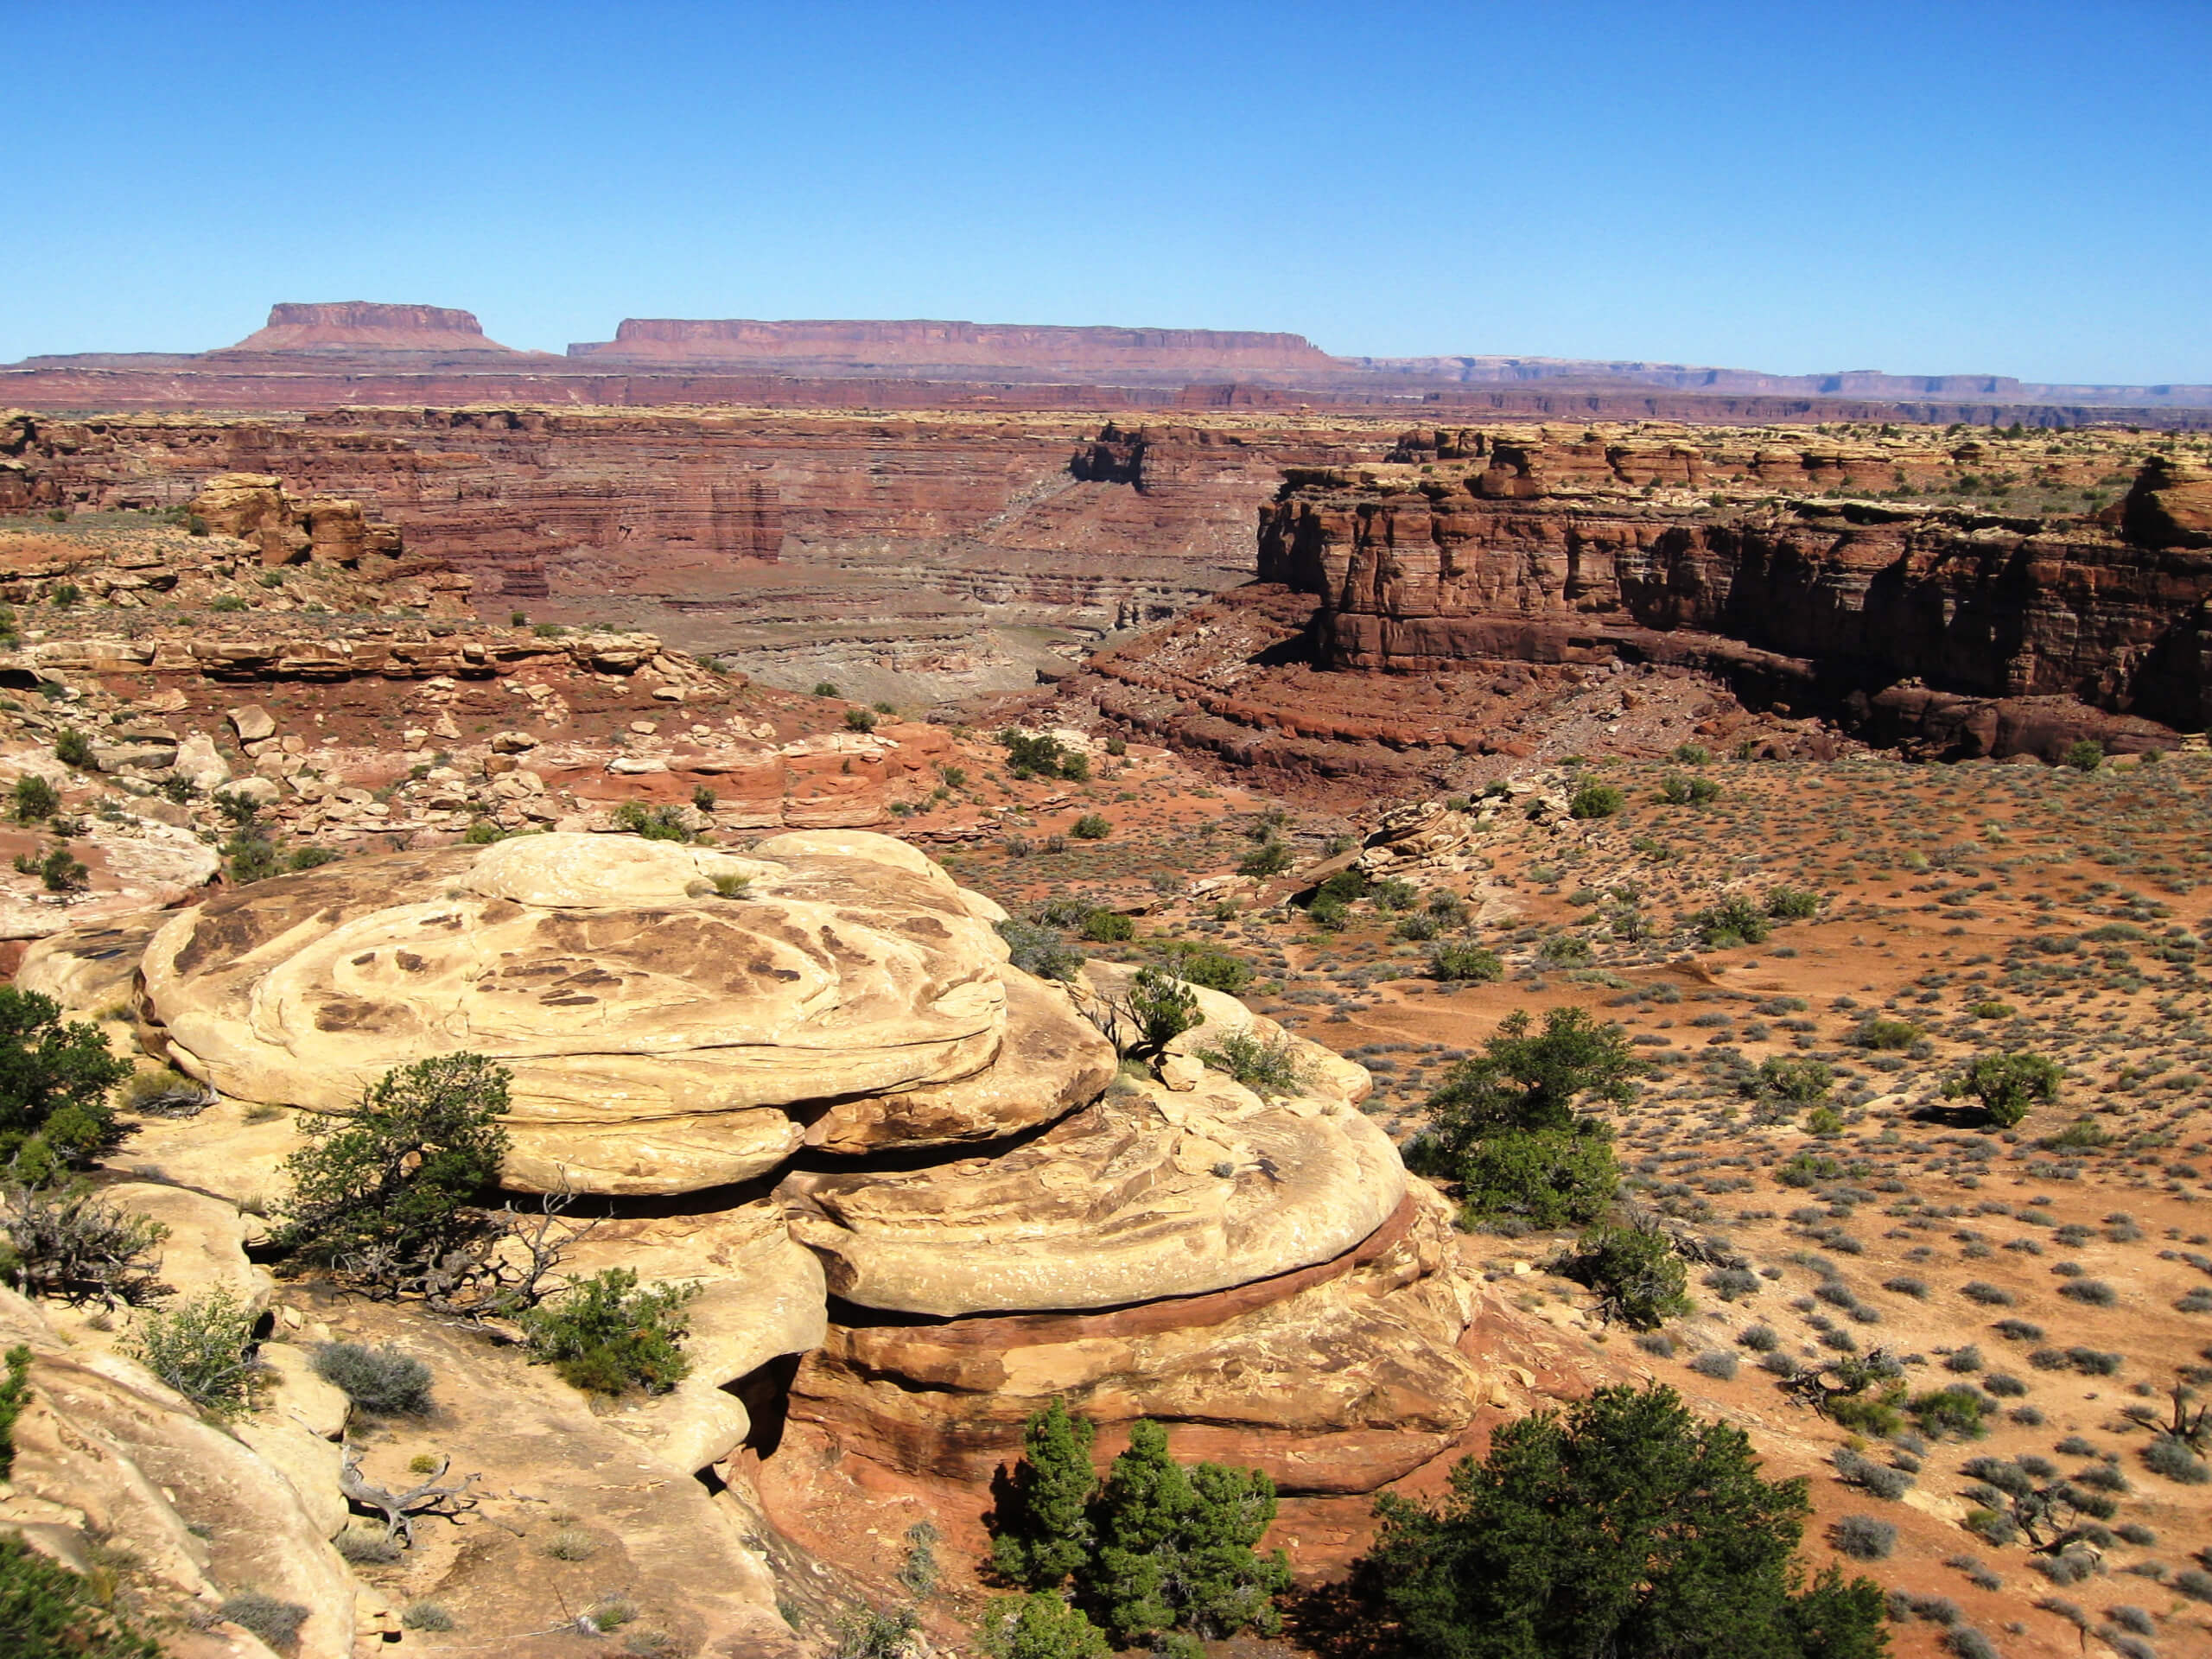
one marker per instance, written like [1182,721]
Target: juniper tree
[1625,1527]
[1040,1534]
[54,1080]
[1175,1546]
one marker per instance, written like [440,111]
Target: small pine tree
[606,1336]
[54,1080]
[1038,1532]
[395,1177]
[48,1613]
[2009,1085]
[1175,1547]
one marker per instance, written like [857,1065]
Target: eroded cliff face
[876,551]
[1829,595]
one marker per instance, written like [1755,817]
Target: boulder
[252,722]
[1333,1378]
[662,1036]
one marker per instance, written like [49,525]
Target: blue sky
[2019,188]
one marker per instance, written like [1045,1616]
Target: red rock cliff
[348,326]
[1556,551]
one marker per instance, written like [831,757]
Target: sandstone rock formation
[1519,553]
[674,1017]
[677,1018]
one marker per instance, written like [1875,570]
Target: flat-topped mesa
[923,344]
[341,327]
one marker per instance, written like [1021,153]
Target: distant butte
[359,353]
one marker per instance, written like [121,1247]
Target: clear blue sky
[2021,189]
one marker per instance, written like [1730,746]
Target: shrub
[1565,951]
[1717,1364]
[72,749]
[2094,1291]
[2174,1459]
[1886,1034]
[1592,799]
[1269,858]
[229,603]
[1270,1067]
[2085,755]
[1460,963]
[277,1623]
[1760,1338]
[606,1335]
[69,1244]
[199,1348]
[1735,920]
[1038,1627]
[1954,1411]
[1216,970]
[1622,1526]
[654,823]
[1539,1179]
[1988,1295]
[1162,1008]
[1863,1538]
[54,1080]
[1039,950]
[393,1181]
[827,689]
[14,1394]
[1091,826]
[46,1612]
[36,800]
[1884,1482]
[426,1616]
[1109,927]
[1793,904]
[1906,1285]
[2008,1085]
[379,1379]
[1729,1283]
[1636,1273]
[1800,1082]
[860,719]
[367,1545]
[1331,914]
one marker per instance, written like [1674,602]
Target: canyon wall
[806,546]
[1558,552]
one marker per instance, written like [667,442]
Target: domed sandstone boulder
[674,1017]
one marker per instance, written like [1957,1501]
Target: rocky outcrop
[674,1017]
[1538,553]
[977,1211]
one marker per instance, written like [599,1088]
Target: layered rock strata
[976,1211]
[1829,599]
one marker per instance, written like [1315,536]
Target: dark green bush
[1793,904]
[36,800]
[654,823]
[606,1335]
[54,1082]
[72,749]
[2008,1086]
[1956,1411]
[1270,1067]
[1040,1534]
[1216,970]
[1735,920]
[1592,799]
[1108,927]
[1162,1008]
[1539,1179]
[394,1180]
[1091,826]
[1638,1278]
[2085,755]
[48,1613]
[1624,1527]
[1269,858]
[1525,1079]
[1461,963]
[14,1394]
